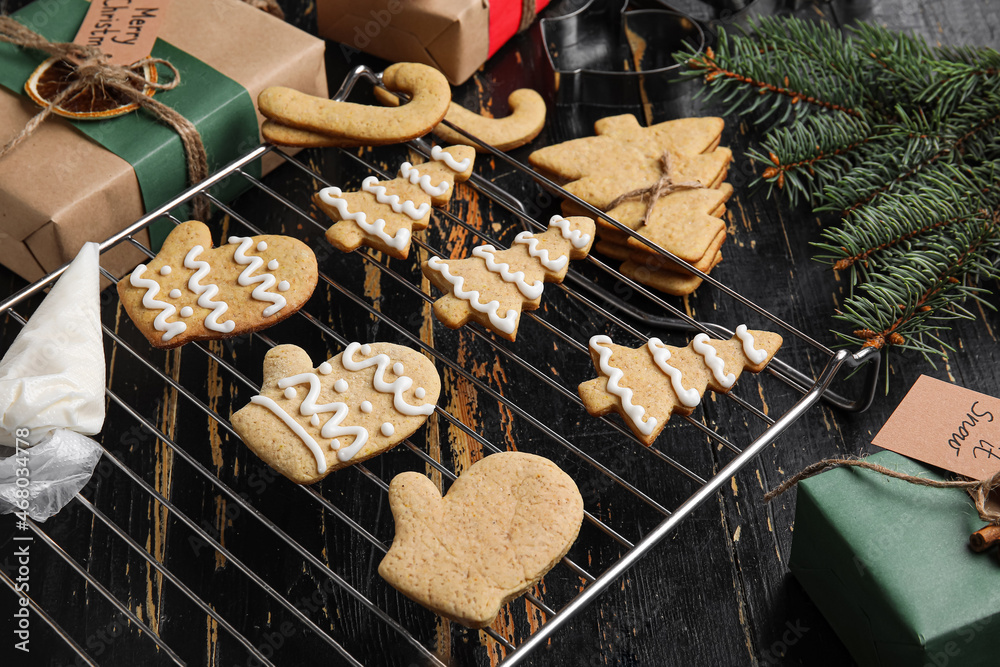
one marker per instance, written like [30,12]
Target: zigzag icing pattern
[396,387]
[152,288]
[505,324]
[541,254]
[688,397]
[266,280]
[409,172]
[441,155]
[634,412]
[207,293]
[575,236]
[485,252]
[332,428]
[406,207]
[713,361]
[331,196]
[753,354]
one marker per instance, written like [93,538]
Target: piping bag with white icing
[52,393]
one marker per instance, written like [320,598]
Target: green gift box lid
[888,564]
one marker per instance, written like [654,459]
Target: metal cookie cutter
[602,54]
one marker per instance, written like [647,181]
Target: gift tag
[123,30]
[947,426]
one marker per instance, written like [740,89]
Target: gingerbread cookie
[192,291]
[645,385]
[383,214]
[526,120]
[503,524]
[297,119]
[507,281]
[308,422]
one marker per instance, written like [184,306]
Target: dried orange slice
[92,102]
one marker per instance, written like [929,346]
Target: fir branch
[898,137]
[922,291]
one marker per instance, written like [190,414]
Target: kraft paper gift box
[888,564]
[60,188]
[455,36]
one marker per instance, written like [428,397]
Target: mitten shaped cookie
[645,385]
[383,214]
[192,291]
[494,286]
[504,523]
[307,422]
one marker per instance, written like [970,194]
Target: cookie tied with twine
[665,185]
[980,490]
[76,77]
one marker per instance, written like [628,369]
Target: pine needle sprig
[922,290]
[898,137]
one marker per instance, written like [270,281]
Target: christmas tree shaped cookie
[493,286]
[308,422]
[383,214]
[645,385]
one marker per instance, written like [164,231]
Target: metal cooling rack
[570,587]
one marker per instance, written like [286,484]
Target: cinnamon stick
[981,540]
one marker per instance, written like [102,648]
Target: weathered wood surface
[717,592]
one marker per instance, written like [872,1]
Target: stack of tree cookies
[665,182]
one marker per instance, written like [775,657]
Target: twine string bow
[93,71]
[980,490]
[652,193]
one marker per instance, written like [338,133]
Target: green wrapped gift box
[888,564]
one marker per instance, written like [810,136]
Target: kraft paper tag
[124,29]
[946,426]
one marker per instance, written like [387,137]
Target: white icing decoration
[634,412]
[207,293]
[266,280]
[366,406]
[331,196]
[688,397]
[396,388]
[332,429]
[506,324]
[407,207]
[262,246]
[441,155]
[187,311]
[419,392]
[366,349]
[485,252]
[575,236]
[714,362]
[175,293]
[290,393]
[541,254]
[165,270]
[283,286]
[410,173]
[152,287]
[325,368]
[296,429]
[314,420]
[397,368]
[387,429]
[272,265]
[754,355]
[340,386]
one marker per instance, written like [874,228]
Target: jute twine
[652,193]
[978,489]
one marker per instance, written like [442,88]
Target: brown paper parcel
[59,189]
[451,35]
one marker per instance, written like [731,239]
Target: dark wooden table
[716,592]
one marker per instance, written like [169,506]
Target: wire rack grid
[223,513]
